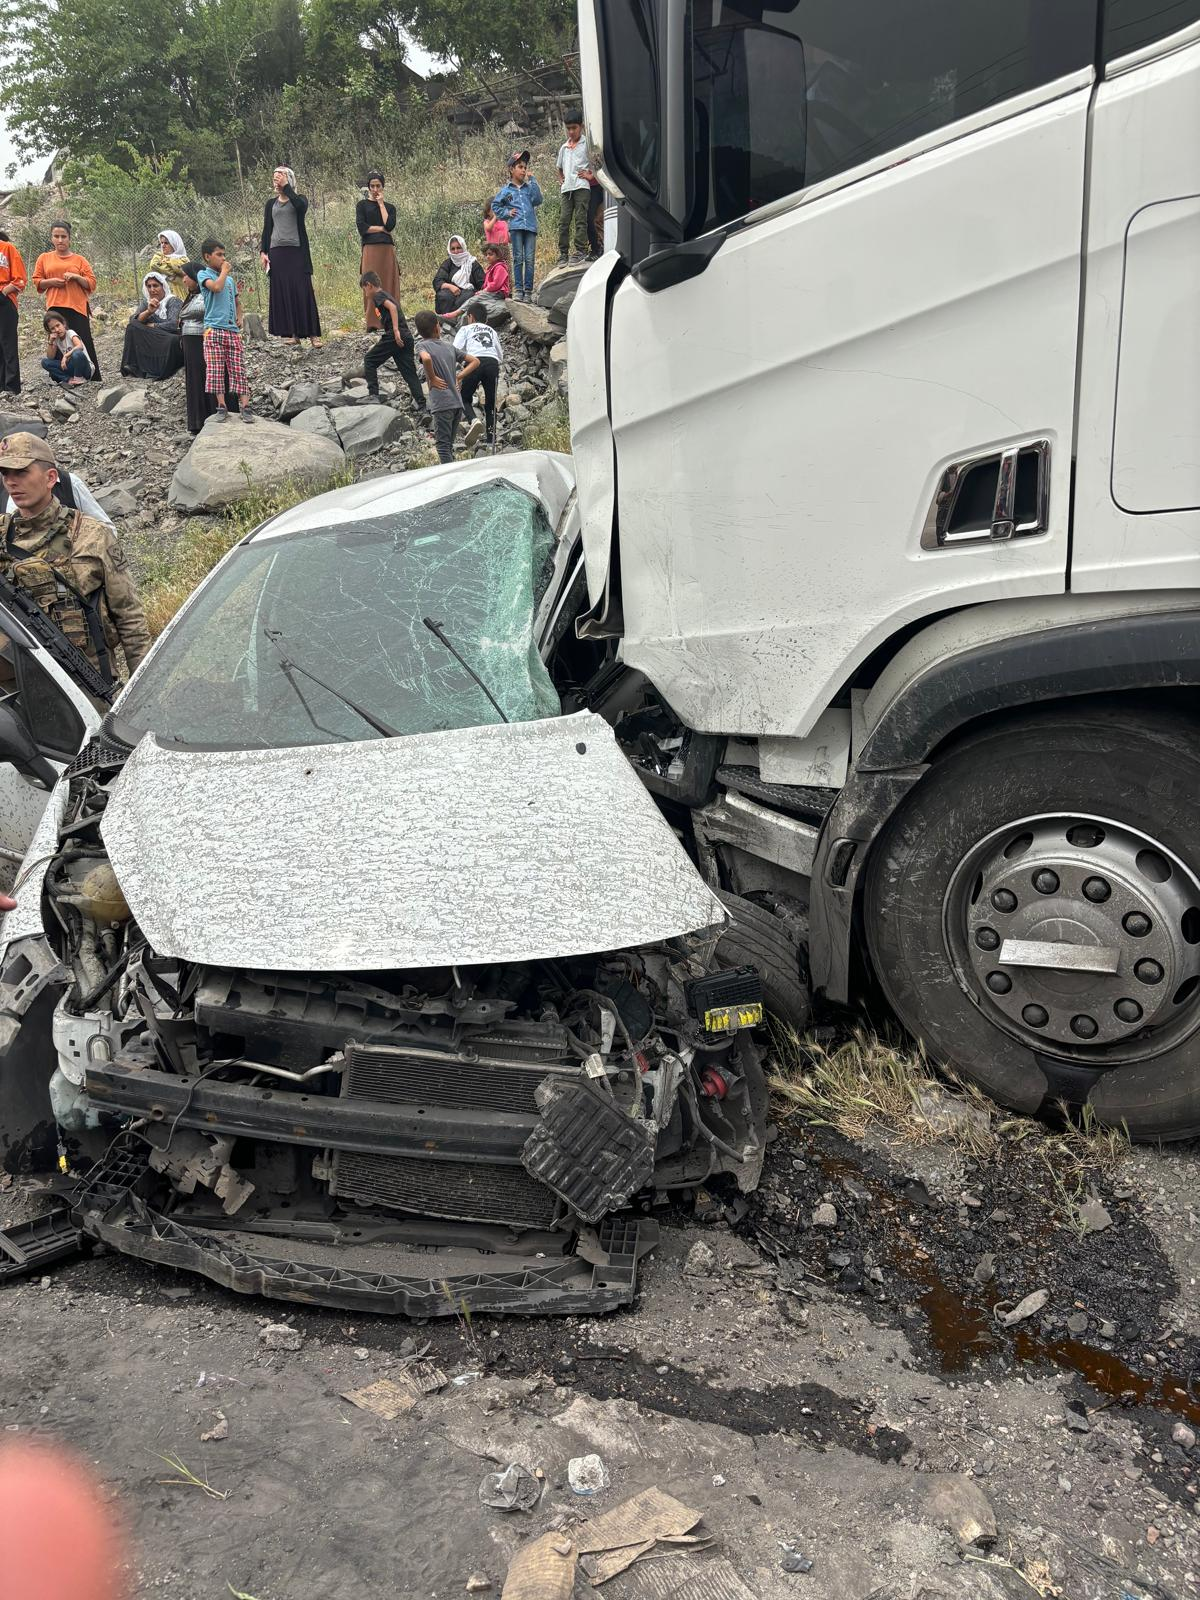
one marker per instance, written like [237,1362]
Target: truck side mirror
[17,746]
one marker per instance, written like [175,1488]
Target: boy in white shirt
[573,174]
[479,346]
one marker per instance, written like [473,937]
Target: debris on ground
[544,1570]
[634,1529]
[587,1474]
[701,1261]
[1093,1215]
[280,1336]
[513,1488]
[478,1583]
[961,1507]
[1009,1316]
[385,1398]
[219,1430]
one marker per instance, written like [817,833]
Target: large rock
[316,420]
[365,429]
[229,459]
[300,396]
[107,398]
[533,322]
[130,405]
[559,288]
[119,499]
[18,422]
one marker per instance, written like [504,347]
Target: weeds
[188,1477]
[550,430]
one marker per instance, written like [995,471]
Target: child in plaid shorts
[224,353]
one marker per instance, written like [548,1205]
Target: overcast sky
[25,169]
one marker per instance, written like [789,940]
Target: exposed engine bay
[406,1140]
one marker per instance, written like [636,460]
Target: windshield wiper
[289,666]
[435,629]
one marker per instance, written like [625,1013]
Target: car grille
[430,1078]
[468,1191]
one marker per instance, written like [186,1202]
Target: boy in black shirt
[395,345]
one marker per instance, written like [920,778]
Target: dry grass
[866,1082]
[550,430]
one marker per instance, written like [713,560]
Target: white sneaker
[473,435]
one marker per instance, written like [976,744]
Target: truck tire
[758,938]
[1033,913]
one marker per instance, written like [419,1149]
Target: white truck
[886,424]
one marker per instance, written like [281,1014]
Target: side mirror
[17,746]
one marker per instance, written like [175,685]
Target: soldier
[70,564]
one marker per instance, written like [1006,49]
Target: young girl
[66,359]
[495,229]
[496,279]
[68,283]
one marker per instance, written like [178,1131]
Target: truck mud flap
[31,1246]
[600,1276]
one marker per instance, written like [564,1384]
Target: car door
[1137,516]
[842,396]
[59,717]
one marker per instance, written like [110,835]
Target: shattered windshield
[321,635]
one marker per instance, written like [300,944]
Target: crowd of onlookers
[189,312]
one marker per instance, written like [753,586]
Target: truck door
[55,715]
[1137,507]
[843,385]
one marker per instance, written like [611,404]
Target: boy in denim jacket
[517,205]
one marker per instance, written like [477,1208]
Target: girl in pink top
[496,279]
[495,229]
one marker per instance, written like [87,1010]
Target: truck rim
[1079,936]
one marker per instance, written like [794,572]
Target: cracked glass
[321,635]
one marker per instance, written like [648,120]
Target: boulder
[557,371]
[132,404]
[533,322]
[63,406]
[119,499]
[107,398]
[17,422]
[559,288]
[300,396]
[316,420]
[365,429]
[229,459]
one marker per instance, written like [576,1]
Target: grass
[550,429]
[188,1477]
[169,573]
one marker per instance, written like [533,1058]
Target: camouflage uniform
[60,555]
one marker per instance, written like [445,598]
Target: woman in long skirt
[375,219]
[68,283]
[152,345]
[285,254]
[200,404]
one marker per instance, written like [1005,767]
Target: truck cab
[886,420]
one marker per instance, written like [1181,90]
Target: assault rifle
[55,642]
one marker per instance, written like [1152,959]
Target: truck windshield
[319,635]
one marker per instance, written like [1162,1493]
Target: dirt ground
[837,1388]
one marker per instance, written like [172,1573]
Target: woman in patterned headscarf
[293,313]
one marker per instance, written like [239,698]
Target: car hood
[499,843]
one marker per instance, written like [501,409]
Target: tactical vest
[49,581]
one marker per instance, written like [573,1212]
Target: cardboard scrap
[423,1377]
[385,1398]
[688,1580]
[543,1570]
[630,1531]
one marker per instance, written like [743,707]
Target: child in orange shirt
[12,281]
[68,283]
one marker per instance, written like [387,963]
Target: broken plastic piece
[512,1489]
[587,1149]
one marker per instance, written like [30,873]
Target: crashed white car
[353,961]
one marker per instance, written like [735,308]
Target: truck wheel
[758,938]
[1033,914]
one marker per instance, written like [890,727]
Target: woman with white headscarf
[170,259]
[293,313]
[152,348]
[457,279]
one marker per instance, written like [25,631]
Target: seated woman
[152,347]
[457,279]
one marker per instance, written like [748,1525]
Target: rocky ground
[126,438]
[823,1374]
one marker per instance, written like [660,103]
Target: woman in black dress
[152,348]
[293,313]
[457,279]
[375,219]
